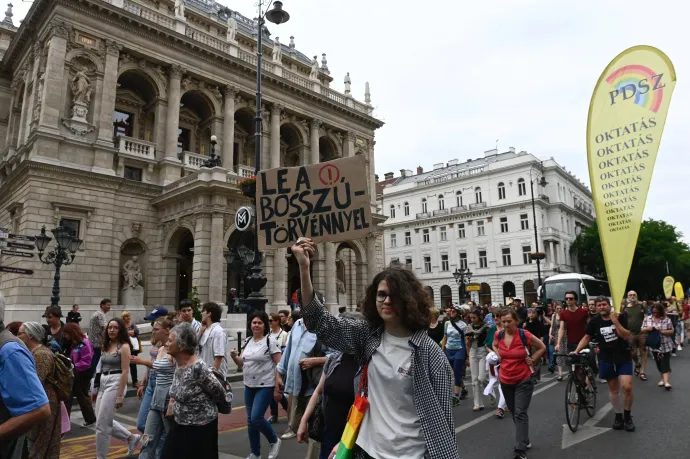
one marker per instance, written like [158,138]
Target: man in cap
[156,314]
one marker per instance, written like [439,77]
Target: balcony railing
[334,95]
[193,160]
[441,212]
[299,80]
[209,40]
[478,205]
[424,215]
[245,171]
[148,14]
[136,147]
[456,209]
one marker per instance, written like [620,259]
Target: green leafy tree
[193,296]
[658,244]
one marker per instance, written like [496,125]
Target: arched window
[441,202]
[407,209]
[501,190]
[458,198]
[392,211]
[522,187]
[478,195]
[424,208]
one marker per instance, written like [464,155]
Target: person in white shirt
[187,315]
[213,341]
[259,358]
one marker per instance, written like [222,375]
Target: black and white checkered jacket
[431,374]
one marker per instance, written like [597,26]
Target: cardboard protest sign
[325,202]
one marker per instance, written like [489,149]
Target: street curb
[232,378]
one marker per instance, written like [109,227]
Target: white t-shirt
[280,337]
[259,369]
[212,344]
[391,428]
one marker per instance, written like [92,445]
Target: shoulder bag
[354,418]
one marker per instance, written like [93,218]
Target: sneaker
[274,449]
[629,425]
[463,394]
[552,369]
[88,424]
[456,401]
[529,445]
[500,413]
[520,455]
[673,354]
[618,423]
[253,456]
[132,444]
[273,419]
[288,434]
[680,348]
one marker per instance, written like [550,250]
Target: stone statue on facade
[132,273]
[314,75]
[348,84]
[232,28]
[277,51]
[179,9]
[81,88]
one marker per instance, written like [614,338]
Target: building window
[425,235]
[441,202]
[506,256]
[480,228]
[526,249]
[444,263]
[408,238]
[408,263]
[427,264]
[504,224]
[483,262]
[394,261]
[478,195]
[123,124]
[458,198]
[394,242]
[183,140]
[71,225]
[444,237]
[522,187]
[461,230]
[501,190]
[463,260]
[392,211]
[424,206]
[407,209]
[524,221]
[133,173]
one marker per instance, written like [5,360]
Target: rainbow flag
[354,421]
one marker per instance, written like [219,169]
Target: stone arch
[74,55]
[446,296]
[529,292]
[509,290]
[337,143]
[484,293]
[156,78]
[299,127]
[244,135]
[328,148]
[178,260]
[135,102]
[171,240]
[132,247]
[292,145]
[213,102]
[430,291]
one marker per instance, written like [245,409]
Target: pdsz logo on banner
[243,218]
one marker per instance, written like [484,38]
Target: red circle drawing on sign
[329,174]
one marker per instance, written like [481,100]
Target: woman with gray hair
[194,392]
[43,440]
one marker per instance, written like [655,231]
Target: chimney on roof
[492,152]
[511,149]
[376,177]
[389,175]
[405,173]
[420,170]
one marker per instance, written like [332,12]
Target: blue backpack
[523,338]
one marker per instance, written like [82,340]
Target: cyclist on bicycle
[610,331]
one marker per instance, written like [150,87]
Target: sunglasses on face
[569,298]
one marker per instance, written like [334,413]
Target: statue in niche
[232,28]
[314,75]
[132,273]
[277,51]
[179,9]
[81,87]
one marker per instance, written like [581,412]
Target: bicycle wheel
[572,404]
[591,395]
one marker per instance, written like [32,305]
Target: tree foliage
[658,244]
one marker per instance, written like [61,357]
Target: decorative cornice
[60,29]
[112,48]
[315,123]
[177,71]
[276,109]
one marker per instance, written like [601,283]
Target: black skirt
[191,442]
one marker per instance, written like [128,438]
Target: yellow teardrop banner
[627,114]
[668,286]
[679,291]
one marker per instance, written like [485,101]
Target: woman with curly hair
[409,379]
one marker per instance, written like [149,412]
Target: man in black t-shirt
[610,332]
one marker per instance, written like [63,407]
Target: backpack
[62,377]
[654,340]
[523,338]
[224,406]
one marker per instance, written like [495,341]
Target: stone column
[173,118]
[350,144]
[329,273]
[314,140]
[552,259]
[34,111]
[12,120]
[371,257]
[279,284]
[54,84]
[105,118]
[159,127]
[362,272]
[202,256]
[318,268]
[229,127]
[25,109]
[276,109]
[372,173]
[217,264]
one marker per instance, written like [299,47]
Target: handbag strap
[364,382]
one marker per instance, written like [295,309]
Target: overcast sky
[449,78]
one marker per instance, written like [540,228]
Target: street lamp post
[213,161]
[66,247]
[462,277]
[536,255]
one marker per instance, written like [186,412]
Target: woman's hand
[118,403]
[529,361]
[309,362]
[303,250]
[136,360]
[93,398]
[140,392]
[169,411]
[233,353]
[302,431]
[277,394]
[334,452]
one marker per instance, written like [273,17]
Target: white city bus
[584,285]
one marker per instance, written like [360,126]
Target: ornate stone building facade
[107,109]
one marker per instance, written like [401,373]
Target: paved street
[658,415]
